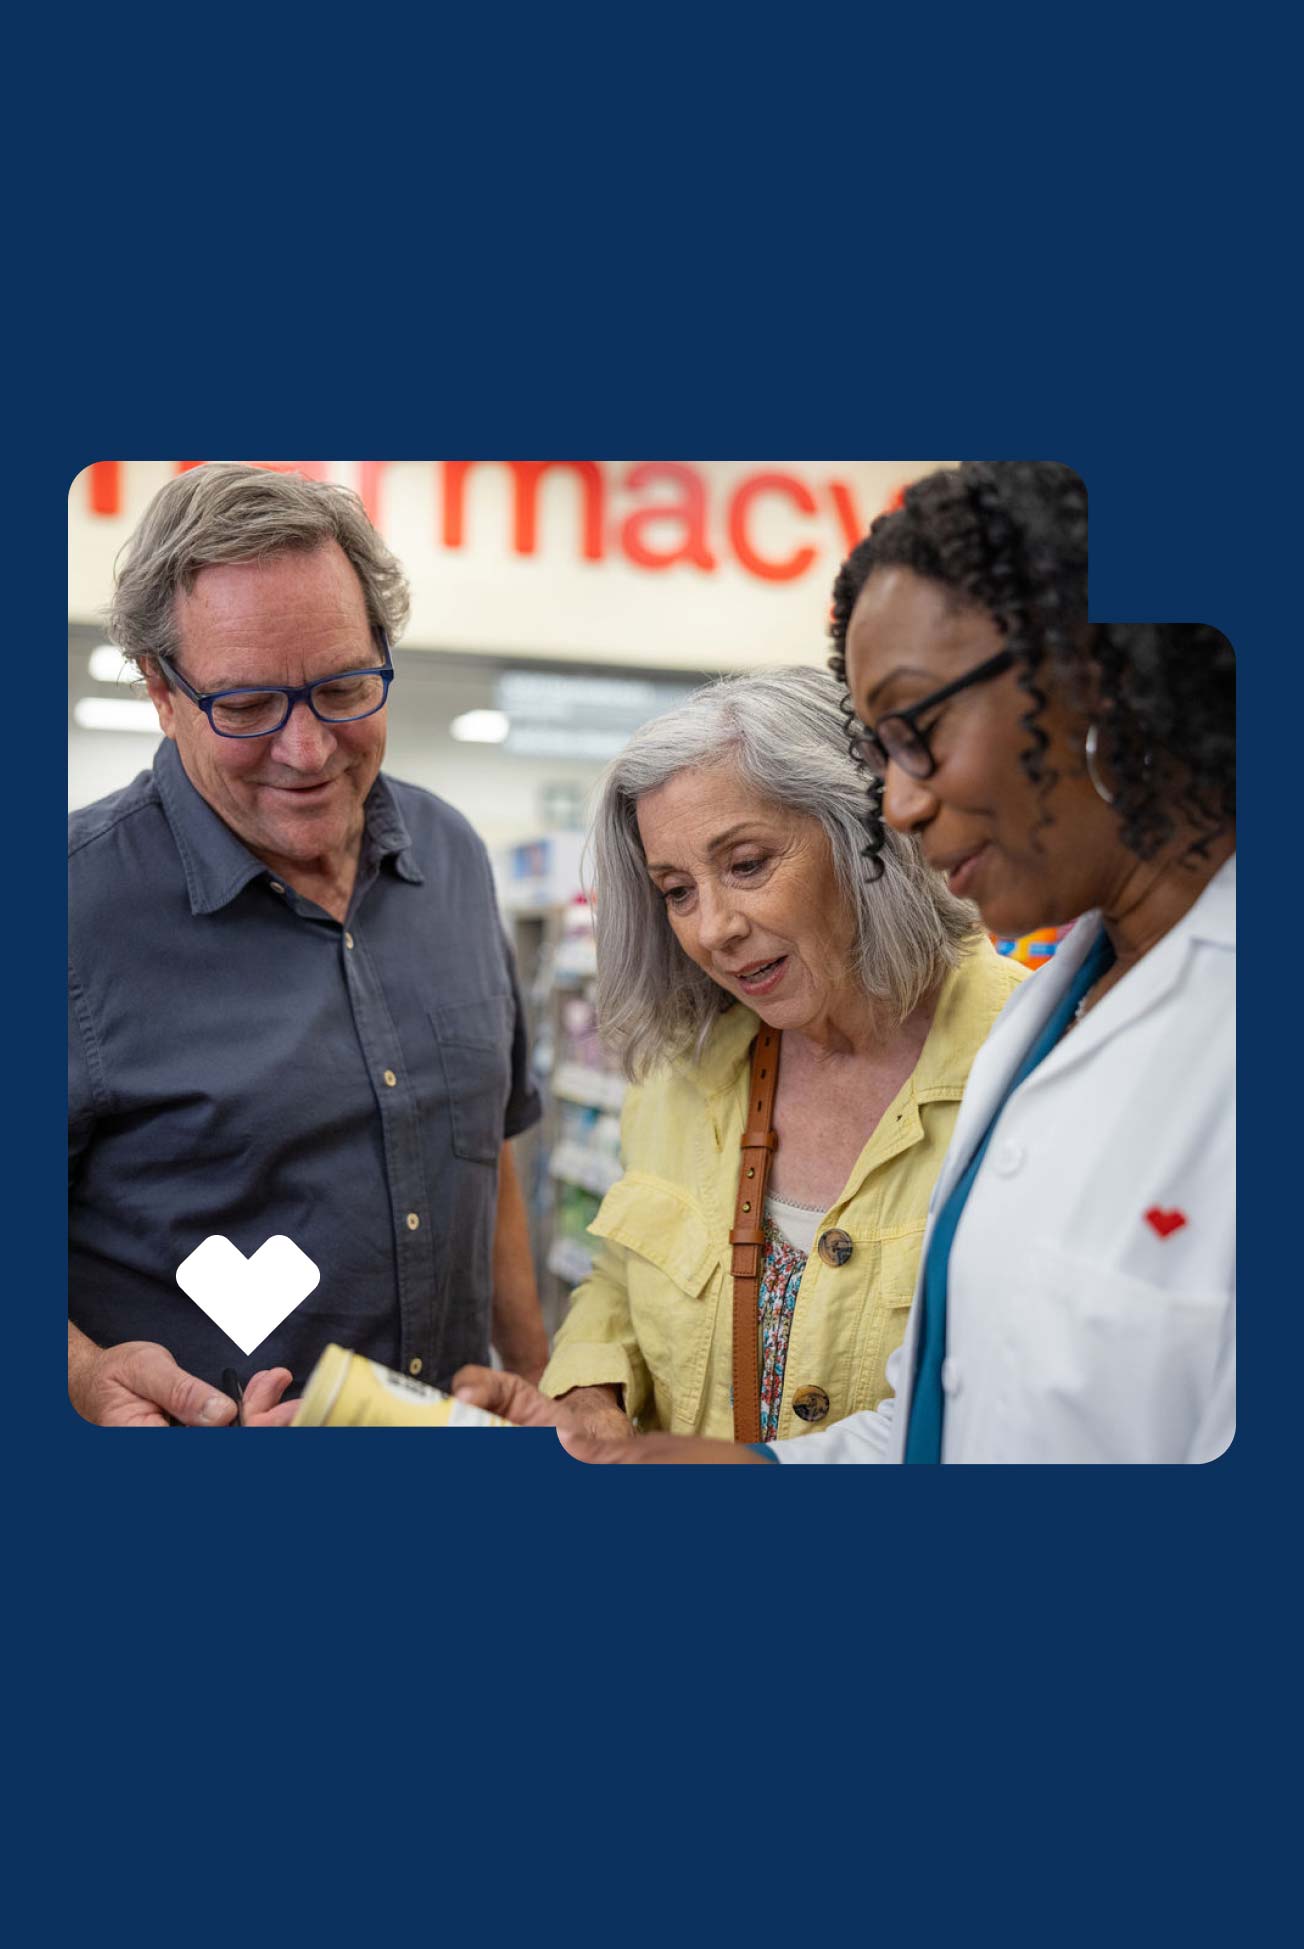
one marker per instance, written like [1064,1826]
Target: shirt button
[811,1403]
[950,1377]
[412,1221]
[1007,1159]
[348,938]
[414,1368]
[390,1078]
[835,1248]
[277,887]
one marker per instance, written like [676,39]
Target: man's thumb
[188,1400]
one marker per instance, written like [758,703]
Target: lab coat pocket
[673,1271]
[1121,1365]
[475,1043]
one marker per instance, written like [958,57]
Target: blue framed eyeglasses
[257,712]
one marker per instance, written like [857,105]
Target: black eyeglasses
[258,712]
[897,738]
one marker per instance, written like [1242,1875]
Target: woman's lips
[959,876]
[765,978]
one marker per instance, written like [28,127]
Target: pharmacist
[1076,1301]
[292,1009]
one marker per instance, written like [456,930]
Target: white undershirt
[799,1223]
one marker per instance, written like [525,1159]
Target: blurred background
[556,606]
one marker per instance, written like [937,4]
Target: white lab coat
[1078,1328]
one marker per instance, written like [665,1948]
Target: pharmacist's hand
[262,1406]
[139,1385]
[655,1448]
[594,1411]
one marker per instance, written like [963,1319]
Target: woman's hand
[656,1448]
[592,1412]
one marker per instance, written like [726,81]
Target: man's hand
[655,1448]
[262,1406]
[591,1411]
[139,1385]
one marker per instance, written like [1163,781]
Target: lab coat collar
[1211,921]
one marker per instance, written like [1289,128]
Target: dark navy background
[382,1688]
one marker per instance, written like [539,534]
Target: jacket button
[835,1249]
[810,1403]
[1008,1159]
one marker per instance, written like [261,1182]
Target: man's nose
[303,741]
[907,802]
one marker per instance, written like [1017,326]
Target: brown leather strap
[748,1235]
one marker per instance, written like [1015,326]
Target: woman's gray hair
[783,735]
[225,511]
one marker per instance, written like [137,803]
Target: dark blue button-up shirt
[242,1064]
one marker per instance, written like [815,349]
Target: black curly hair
[1010,538]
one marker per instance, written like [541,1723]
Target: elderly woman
[740,938]
[1077,1297]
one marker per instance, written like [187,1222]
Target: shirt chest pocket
[673,1272]
[475,1044]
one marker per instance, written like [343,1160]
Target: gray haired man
[292,1009]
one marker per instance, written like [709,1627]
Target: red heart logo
[1165,1222]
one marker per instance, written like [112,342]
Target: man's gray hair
[225,511]
[782,734]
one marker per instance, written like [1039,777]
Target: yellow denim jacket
[656,1315]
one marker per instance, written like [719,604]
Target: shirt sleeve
[860,1438]
[85,1079]
[524,1104]
[597,1345]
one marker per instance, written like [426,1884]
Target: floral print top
[784,1265]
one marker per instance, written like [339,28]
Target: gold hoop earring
[1090,749]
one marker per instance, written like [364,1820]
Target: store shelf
[592,1170]
[576,961]
[569,1260]
[599,1088]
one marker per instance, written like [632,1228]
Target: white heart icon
[247,1298]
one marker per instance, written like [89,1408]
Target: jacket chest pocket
[673,1273]
[475,1044]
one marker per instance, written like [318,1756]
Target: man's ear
[160,696]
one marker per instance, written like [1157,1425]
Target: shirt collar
[218,866]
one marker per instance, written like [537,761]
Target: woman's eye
[748,866]
[675,896]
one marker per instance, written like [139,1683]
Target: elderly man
[292,1009]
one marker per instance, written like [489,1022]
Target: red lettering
[844,503]
[105,486]
[310,469]
[369,474]
[800,560]
[526,475]
[688,511]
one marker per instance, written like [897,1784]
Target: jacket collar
[971,997]
[218,866]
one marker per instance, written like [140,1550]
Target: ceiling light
[116,714]
[109,666]
[481,727]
